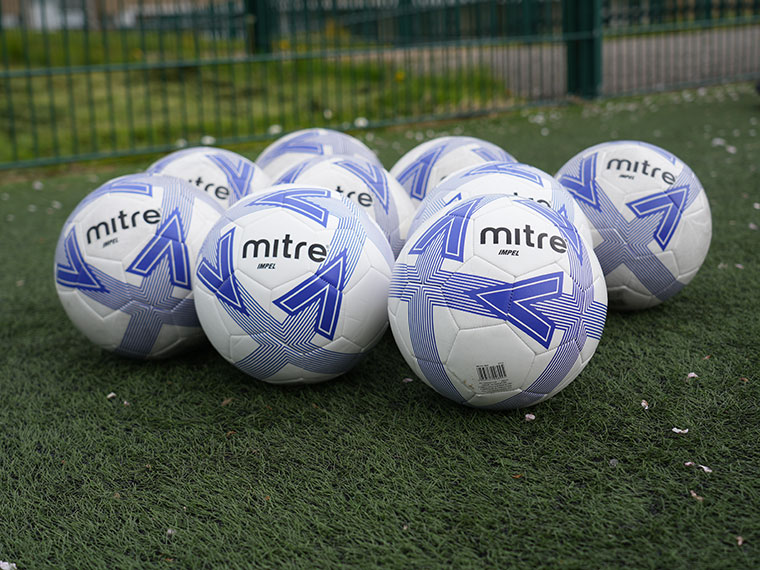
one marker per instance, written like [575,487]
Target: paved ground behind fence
[630,63]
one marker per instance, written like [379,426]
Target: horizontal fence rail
[85,79]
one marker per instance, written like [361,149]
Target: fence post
[404,22]
[582,25]
[529,19]
[703,10]
[656,10]
[258,22]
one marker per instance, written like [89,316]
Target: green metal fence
[82,79]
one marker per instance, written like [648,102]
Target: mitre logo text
[285,247]
[525,236]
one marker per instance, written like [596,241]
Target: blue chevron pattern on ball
[221,174]
[125,260]
[650,219]
[293,148]
[508,178]
[368,185]
[291,285]
[497,302]
[427,164]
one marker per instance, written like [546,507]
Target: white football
[291,285]
[366,184]
[427,164]
[497,302]
[125,260]
[223,175]
[509,178]
[650,219]
[289,150]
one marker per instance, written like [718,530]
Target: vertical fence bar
[280,75]
[51,89]
[33,123]
[11,116]
[127,75]
[336,46]
[74,124]
[308,16]
[230,56]
[197,52]
[92,113]
[327,28]
[182,73]
[147,104]
[248,26]
[211,29]
[104,38]
[162,31]
[582,26]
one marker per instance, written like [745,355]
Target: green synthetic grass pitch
[193,464]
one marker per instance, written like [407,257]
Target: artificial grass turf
[368,470]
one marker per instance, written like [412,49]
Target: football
[125,260]
[291,285]
[289,150]
[497,302]
[509,178]
[423,167]
[365,183]
[650,219]
[223,175]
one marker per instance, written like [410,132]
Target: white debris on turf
[12,566]
[704,468]
[739,541]
[645,404]
[692,375]
[208,140]
[697,497]
[111,395]
[38,185]
[170,532]
[529,417]
[738,266]
[752,226]
[678,430]
[407,380]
